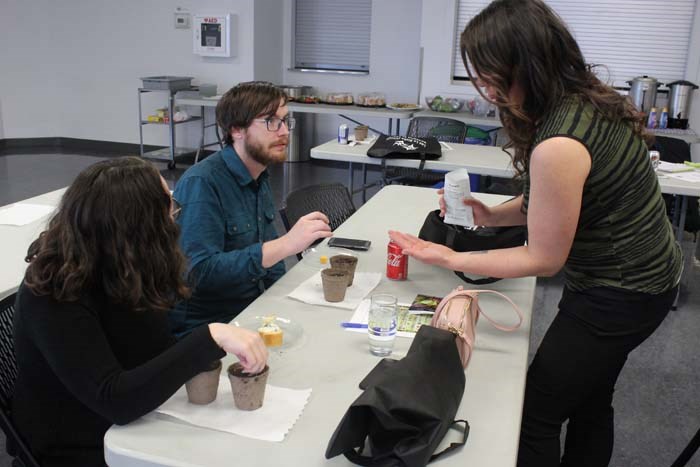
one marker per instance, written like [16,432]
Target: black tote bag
[406,408]
[405,147]
[463,239]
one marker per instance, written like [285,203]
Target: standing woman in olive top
[592,206]
[91,334]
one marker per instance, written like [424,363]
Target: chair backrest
[672,149]
[332,199]
[8,364]
[695,152]
[15,445]
[443,129]
[678,150]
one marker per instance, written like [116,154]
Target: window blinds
[630,37]
[332,34]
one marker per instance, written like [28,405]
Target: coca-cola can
[396,263]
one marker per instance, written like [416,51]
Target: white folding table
[16,241]
[482,160]
[332,361]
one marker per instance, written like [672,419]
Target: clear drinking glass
[381,327]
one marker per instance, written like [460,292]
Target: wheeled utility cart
[169,85]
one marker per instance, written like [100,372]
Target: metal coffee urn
[679,103]
[643,92]
[301,139]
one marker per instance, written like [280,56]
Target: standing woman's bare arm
[558,170]
[508,213]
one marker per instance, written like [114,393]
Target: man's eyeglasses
[275,123]
[175,209]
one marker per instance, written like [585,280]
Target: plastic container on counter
[308,99]
[444,104]
[371,99]
[338,98]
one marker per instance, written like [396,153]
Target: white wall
[394,62]
[437,42]
[81,82]
[27,88]
[269,40]
[61,79]
[79,78]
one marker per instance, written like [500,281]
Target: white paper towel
[311,290]
[271,422]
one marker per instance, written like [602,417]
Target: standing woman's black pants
[573,374]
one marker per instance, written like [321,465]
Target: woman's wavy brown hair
[525,43]
[112,234]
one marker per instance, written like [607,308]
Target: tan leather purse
[459,312]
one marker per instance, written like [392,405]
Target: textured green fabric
[473,132]
[623,238]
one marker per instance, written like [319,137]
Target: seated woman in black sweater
[91,333]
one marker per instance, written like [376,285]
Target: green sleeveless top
[624,238]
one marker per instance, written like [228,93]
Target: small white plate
[292,331]
[311,257]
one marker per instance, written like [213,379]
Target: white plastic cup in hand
[456,189]
[654,158]
[381,327]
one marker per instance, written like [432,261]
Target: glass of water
[381,326]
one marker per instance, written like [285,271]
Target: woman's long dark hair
[112,234]
[524,42]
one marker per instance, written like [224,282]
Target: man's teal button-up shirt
[226,217]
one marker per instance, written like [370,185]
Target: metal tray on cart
[167,83]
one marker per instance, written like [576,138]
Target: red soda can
[396,263]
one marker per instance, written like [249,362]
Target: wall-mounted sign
[213,35]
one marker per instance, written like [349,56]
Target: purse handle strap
[515,307]
[459,291]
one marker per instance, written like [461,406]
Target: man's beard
[263,155]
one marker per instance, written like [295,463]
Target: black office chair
[333,200]
[15,446]
[443,129]
[677,151]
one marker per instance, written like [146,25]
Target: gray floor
[657,401]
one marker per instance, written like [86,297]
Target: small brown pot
[361,132]
[335,283]
[345,263]
[248,389]
[201,389]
